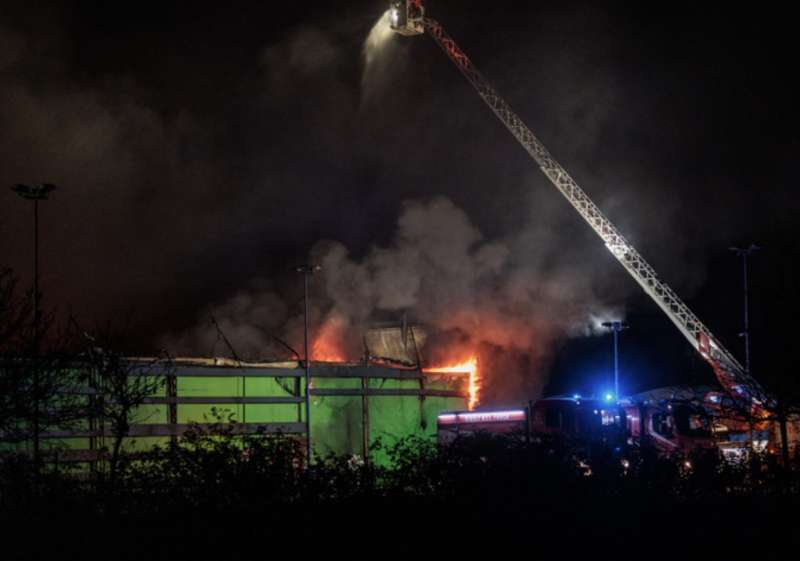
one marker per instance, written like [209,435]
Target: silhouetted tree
[36,385]
[121,387]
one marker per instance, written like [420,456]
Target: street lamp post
[35,193]
[616,327]
[744,253]
[307,271]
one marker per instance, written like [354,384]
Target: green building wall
[392,403]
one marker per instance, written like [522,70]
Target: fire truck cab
[680,420]
[670,426]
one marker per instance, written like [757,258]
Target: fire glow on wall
[469,368]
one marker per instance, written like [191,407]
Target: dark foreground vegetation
[225,497]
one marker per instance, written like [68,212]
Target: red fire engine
[573,418]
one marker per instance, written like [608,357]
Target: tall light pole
[744,253]
[616,327]
[35,193]
[307,271]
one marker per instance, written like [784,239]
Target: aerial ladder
[407,17]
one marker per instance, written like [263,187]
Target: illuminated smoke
[474,294]
[330,339]
[476,297]
[596,320]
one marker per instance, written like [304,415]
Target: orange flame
[328,341]
[469,367]
[326,353]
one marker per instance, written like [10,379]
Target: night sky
[203,150]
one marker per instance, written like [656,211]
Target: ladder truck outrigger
[743,408]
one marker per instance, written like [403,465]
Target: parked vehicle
[675,421]
[572,418]
[681,420]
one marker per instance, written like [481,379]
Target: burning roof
[398,344]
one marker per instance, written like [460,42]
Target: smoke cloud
[440,271]
[201,155]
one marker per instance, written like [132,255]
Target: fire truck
[683,419]
[570,418]
[742,392]
[673,421]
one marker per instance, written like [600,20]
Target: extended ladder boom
[729,372]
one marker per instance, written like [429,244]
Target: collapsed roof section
[400,345]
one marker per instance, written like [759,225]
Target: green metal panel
[336,425]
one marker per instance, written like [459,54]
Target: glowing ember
[470,367]
[326,353]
